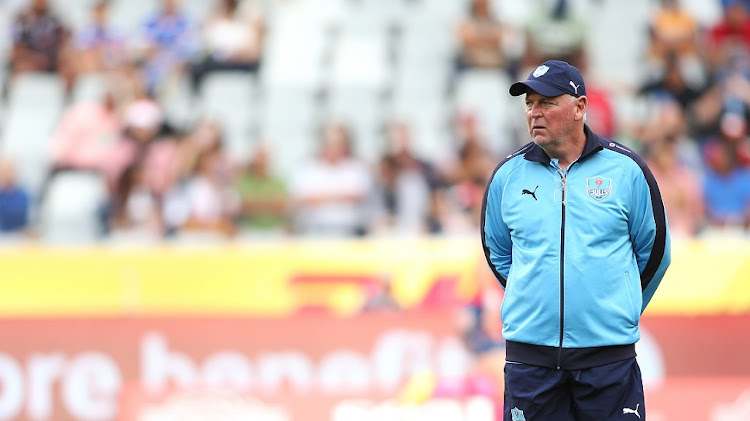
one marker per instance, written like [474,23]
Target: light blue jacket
[579,252]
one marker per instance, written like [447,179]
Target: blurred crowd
[165,179]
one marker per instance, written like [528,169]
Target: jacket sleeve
[495,234]
[649,233]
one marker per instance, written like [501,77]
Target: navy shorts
[612,392]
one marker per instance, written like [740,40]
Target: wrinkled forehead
[532,95]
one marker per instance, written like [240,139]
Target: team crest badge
[517,415]
[540,70]
[599,188]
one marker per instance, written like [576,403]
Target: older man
[574,229]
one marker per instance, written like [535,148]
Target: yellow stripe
[248,279]
[706,277]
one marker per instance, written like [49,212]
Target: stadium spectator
[136,211]
[179,157]
[212,203]
[86,134]
[670,81]
[232,38]
[672,32]
[554,31]
[143,121]
[729,35]
[407,186]
[330,195]
[14,201]
[172,164]
[679,184]
[168,44]
[728,95]
[263,196]
[465,178]
[98,46]
[480,39]
[41,43]
[726,188]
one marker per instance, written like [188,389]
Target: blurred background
[269,209]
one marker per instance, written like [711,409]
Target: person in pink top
[86,133]
[142,124]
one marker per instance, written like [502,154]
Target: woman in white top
[330,194]
[232,37]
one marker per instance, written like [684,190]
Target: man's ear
[581,105]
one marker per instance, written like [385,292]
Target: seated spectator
[86,134]
[673,31]
[729,35]
[263,196]
[203,136]
[143,121]
[136,212]
[726,187]
[212,203]
[40,43]
[555,32]
[98,46]
[465,177]
[407,186]
[14,201]
[671,81]
[673,56]
[480,39]
[330,194]
[180,156]
[169,43]
[728,95]
[232,39]
[148,142]
[678,181]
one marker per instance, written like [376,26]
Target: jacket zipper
[564,176]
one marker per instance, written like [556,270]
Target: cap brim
[520,88]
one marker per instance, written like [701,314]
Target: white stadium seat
[69,213]
[34,106]
[230,98]
[484,94]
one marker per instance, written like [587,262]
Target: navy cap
[552,78]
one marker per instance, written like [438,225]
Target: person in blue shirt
[14,201]
[574,229]
[171,43]
[726,186]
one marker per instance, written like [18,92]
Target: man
[574,229]
[40,43]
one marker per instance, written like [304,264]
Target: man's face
[550,119]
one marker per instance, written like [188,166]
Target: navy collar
[593,144]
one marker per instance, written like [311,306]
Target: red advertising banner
[399,366]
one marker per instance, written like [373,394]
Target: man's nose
[535,111]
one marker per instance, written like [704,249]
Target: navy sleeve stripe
[499,277]
[657,207]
